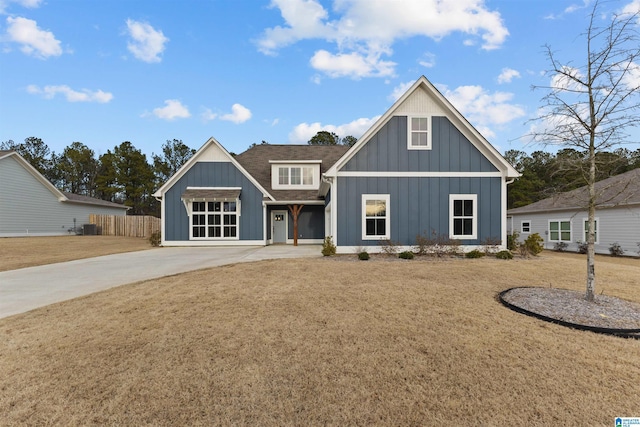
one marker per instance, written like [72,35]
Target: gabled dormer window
[419,133]
[295,175]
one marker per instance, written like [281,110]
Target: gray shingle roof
[256,161]
[91,201]
[619,190]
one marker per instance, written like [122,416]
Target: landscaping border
[623,333]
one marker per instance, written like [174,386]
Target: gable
[451,151]
[456,136]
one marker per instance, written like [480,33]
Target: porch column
[295,210]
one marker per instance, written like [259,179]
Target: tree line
[121,175]
[545,174]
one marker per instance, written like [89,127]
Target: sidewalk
[28,288]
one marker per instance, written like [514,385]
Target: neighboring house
[420,169]
[31,206]
[563,218]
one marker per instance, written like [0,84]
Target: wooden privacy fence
[129,225]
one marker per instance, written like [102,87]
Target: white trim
[295,162]
[293,202]
[402,174]
[206,213]
[559,221]
[584,231]
[342,250]
[315,175]
[410,132]
[194,159]
[214,188]
[522,226]
[452,114]
[213,243]
[474,218]
[334,211]
[387,216]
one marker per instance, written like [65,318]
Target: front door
[279,221]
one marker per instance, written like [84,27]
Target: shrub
[560,246]
[615,249]
[504,255]
[436,244]
[155,239]
[406,255]
[490,245]
[512,240]
[363,256]
[533,244]
[424,244]
[638,248]
[474,254]
[328,248]
[389,247]
[582,247]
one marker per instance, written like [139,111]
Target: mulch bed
[571,307]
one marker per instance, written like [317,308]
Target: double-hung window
[560,230]
[375,217]
[419,133]
[463,216]
[295,176]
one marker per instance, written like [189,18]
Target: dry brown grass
[322,342]
[21,252]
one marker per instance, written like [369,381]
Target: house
[421,168]
[563,218]
[31,206]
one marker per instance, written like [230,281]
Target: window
[586,230]
[560,231]
[214,220]
[286,177]
[463,216]
[525,227]
[419,136]
[375,217]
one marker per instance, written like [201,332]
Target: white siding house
[31,206]
[563,218]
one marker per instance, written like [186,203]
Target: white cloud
[352,65]
[208,115]
[239,114]
[428,60]
[565,81]
[33,40]
[364,30]
[632,76]
[30,4]
[399,90]
[507,75]
[484,110]
[85,95]
[632,8]
[172,110]
[147,43]
[303,132]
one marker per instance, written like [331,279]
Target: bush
[474,254]
[406,255]
[512,240]
[363,256]
[328,248]
[560,246]
[504,255]
[155,239]
[424,244]
[389,247]
[533,244]
[583,247]
[490,245]
[615,249]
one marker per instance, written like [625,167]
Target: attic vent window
[295,176]
[419,133]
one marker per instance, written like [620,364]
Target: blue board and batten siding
[387,151]
[214,174]
[310,222]
[418,204]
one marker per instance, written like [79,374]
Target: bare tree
[592,107]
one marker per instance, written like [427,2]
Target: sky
[245,71]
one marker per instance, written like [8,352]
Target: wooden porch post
[295,210]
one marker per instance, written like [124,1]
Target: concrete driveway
[28,288]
